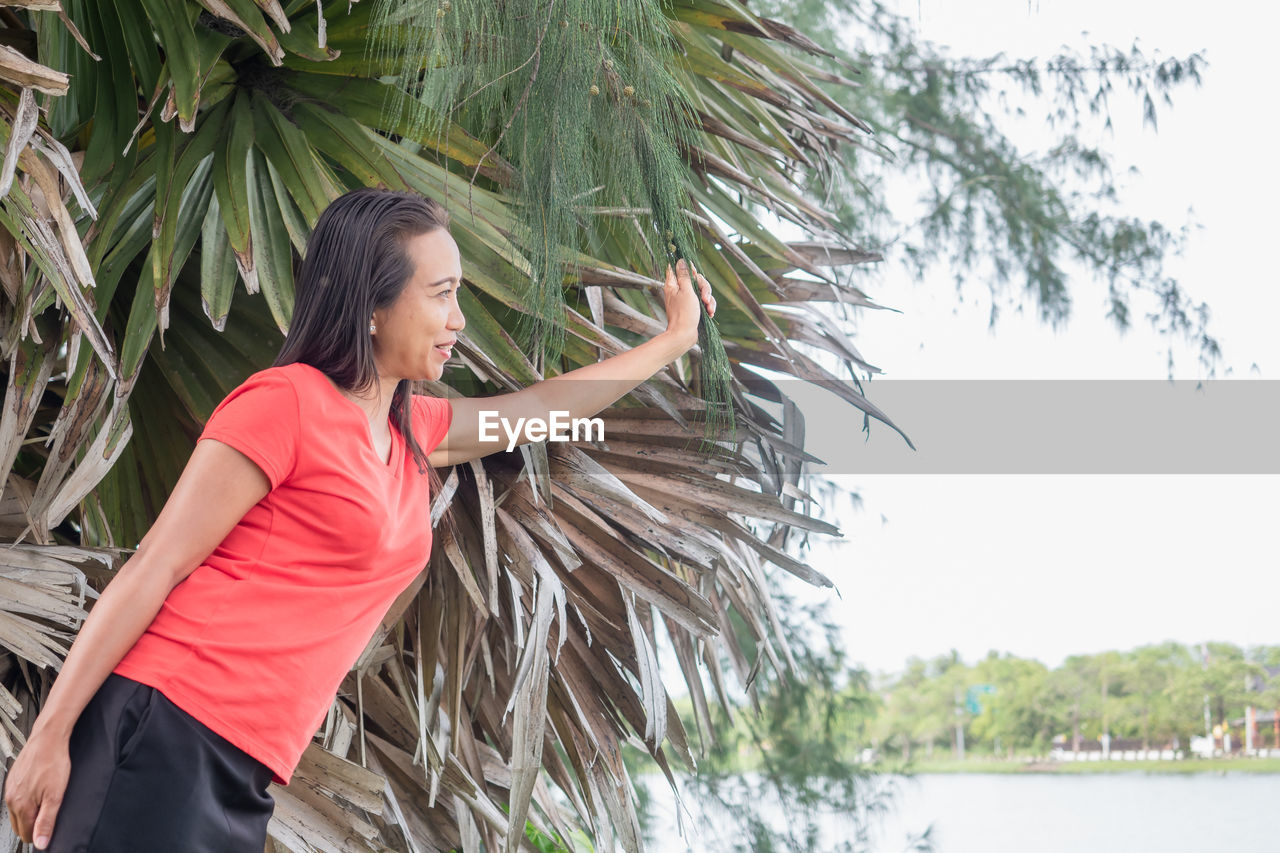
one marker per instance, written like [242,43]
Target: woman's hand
[682,301]
[217,487]
[583,392]
[35,786]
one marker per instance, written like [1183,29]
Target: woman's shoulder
[430,406]
[271,389]
[283,378]
[260,418]
[289,372]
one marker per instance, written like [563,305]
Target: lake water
[1113,813]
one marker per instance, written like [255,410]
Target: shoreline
[1186,766]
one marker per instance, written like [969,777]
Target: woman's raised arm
[217,487]
[579,393]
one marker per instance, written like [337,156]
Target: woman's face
[416,333]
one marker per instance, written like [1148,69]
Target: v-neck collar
[395,460]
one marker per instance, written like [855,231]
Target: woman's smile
[426,310]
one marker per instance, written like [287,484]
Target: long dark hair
[356,263]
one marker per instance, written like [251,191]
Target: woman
[209,662]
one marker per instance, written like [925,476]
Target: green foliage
[578,96]
[1021,221]
[547,843]
[1020,766]
[793,752]
[1155,694]
[921,712]
[580,100]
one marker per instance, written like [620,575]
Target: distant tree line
[1006,705]
[803,739]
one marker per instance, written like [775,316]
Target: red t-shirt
[255,642]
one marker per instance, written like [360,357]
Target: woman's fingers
[34,789]
[683,272]
[17,827]
[704,288]
[15,805]
[43,829]
[23,817]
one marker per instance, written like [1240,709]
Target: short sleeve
[431,419]
[260,419]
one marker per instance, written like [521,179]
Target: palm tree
[162,195]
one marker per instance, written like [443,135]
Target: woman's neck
[375,401]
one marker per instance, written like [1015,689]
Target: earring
[373,328]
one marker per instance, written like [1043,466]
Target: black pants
[147,777]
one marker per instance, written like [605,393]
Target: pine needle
[578,96]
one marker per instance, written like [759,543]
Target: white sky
[1048,566]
